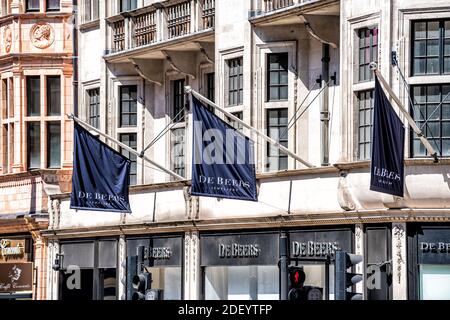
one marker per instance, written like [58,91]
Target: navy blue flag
[388,146]
[222,158]
[101,175]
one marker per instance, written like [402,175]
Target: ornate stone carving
[7,39]
[358,236]
[42,35]
[399,233]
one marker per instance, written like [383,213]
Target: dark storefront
[429,261]
[309,249]
[16,267]
[240,266]
[164,260]
[88,270]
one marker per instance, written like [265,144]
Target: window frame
[440,138]
[366,124]
[284,142]
[32,9]
[48,8]
[90,104]
[129,155]
[48,95]
[38,125]
[441,43]
[129,113]
[28,89]
[50,145]
[240,79]
[278,71]
[371,47]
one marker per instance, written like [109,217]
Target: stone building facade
[35,136]
[266,61]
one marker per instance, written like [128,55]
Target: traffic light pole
[284,267]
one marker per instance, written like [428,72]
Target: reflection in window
[241,283]
[434,282]
[277,120]
[168,279]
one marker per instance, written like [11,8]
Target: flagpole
[188,89]
[408,117]
[124,146]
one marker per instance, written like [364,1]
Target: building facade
[35,136]
[298,71]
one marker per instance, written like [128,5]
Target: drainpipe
[324,113]
[75,55]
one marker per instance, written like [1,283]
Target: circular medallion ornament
[7,39]
[42,35]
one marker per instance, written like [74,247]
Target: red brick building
[35,136]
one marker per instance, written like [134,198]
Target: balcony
[158,23]
[284,12]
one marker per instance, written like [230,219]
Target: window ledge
[94,24]
[429,79]
[366,85]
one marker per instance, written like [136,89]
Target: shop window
[235,81]
[367,52]
[434,282]
[277,76]
[33,96]
[53,145]
[277,120]
[378,278]
[130,139]
[432,113]
[128,106]
[34,145]
[54,95]
[241,283]
[431,47]
[96,262]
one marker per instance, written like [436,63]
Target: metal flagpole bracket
[412,123]
[70,116]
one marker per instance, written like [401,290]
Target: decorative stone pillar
[191,266]
[359,249]
[52,275]
[399,262]
[122,268]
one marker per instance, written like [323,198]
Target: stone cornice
[268,222]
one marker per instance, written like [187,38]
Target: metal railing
[144,29]
[149,25]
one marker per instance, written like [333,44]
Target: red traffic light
[297,277]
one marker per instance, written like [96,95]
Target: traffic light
[141,283]
[344,280]
[298,291]
[142,280]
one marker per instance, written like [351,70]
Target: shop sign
[11,249]
[16,277]
[314,249]
[318,244]
[434,246]
[160,253]
[239,249]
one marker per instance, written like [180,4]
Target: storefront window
[434,282]
[163,260]
[242,283]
